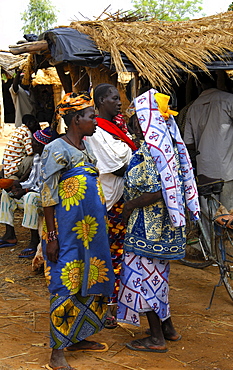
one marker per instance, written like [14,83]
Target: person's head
[40,139]
[107,100]
[207,81]
[31,122]
[78,112]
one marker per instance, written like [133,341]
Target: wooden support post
[1,106]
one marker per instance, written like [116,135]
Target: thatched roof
[159,49]
[47,76]
[9,62]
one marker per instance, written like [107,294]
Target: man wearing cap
[25,195]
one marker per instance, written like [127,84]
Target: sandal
[110,323]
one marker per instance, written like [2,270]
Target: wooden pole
[1,106]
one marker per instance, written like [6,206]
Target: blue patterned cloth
[149,230]
[160,135]
[143,287]
[74,318]
[84,261]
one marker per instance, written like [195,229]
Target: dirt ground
[207,335]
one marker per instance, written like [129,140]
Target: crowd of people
[123,196]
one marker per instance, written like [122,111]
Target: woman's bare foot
[57,360]
[169,331]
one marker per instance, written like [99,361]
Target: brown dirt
[207,335]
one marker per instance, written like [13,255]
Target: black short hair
[28,118]
[100,91]
[68,117]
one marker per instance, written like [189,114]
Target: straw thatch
[47,76]
[159,49]
[9,62]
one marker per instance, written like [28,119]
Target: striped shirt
[18,147]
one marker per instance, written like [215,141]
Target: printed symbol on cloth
[184,170]
[137,282]
[72,275]
[139,265]
[154,136]
[164,292]
[144,290]
[141,119]
[72,190]
[155,306]
[168,177]
[134,319]
[167,148]
[188,189]
[141,100]
[128,298]
[157,159]
[97,272]
[160,120]
[156,280]
[64,316]
[86,229]
[99,306]
[149,261]
[173,217]
[173,198]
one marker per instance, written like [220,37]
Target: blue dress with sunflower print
[84,263]
[82,279]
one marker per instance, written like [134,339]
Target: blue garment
[149,230]
[84,262]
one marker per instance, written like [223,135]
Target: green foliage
[4,78]
[230,7]
[39,16]
[168,10]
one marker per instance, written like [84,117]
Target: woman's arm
[143,200]
[52,248]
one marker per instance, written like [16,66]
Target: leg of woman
[155,342]
[169,331]
[57,360]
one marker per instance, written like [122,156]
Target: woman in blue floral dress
[76,247]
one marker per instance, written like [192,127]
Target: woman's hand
[127,210]
[52,250]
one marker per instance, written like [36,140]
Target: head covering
[43,136]
[160,130]
[73,102]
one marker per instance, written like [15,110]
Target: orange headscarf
[72,102]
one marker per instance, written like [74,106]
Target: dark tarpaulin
[69,45]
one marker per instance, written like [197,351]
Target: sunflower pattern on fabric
[72,275]
[72,190]
[47,273]
[97,272]
[100,191]
[86,230]
[84,261]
